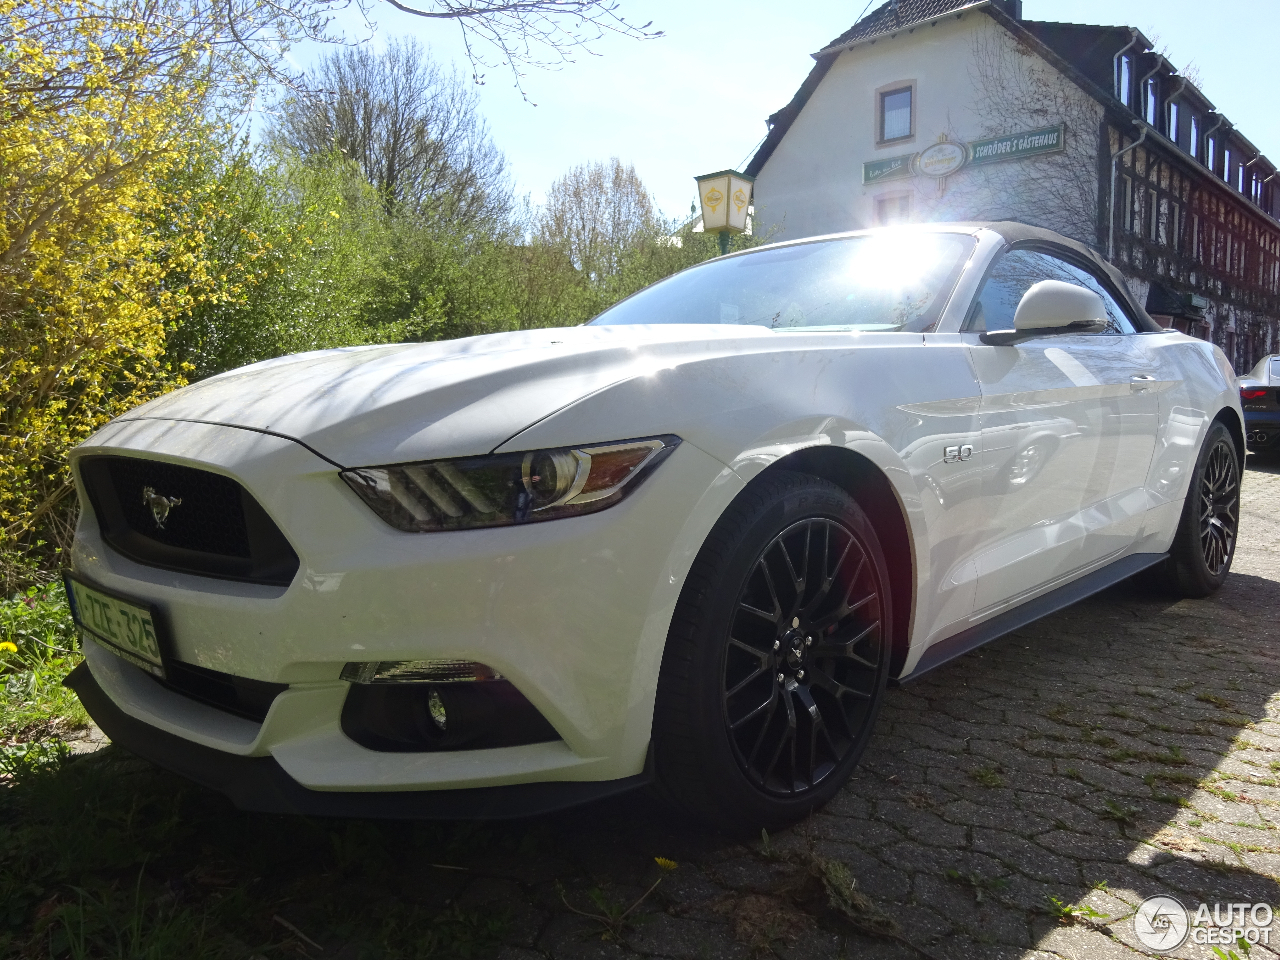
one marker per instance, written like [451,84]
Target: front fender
[897,404]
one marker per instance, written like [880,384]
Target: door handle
[1140,383]
[1141,378]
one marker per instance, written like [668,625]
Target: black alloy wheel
[777,657]
[803,656]
[1219,507]
[1202,549]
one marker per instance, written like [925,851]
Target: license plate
[125,627]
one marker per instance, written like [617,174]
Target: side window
[1119,321]
[1018,271]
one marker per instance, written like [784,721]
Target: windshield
[884,282]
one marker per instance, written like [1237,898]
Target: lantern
[726,197]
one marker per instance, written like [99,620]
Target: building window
[893,210]
[1151,102]
[1226,164]
[1173,120]
[895,114]
[1129,218]
[1153,216]
[1211,153]
[1124,82]
[1175,226]
[1195,136]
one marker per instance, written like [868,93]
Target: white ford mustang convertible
[687,544]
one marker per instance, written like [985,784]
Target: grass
[1125,816]
[106,856]
[1069,913]
[38,647]
[987,776]
[979,884]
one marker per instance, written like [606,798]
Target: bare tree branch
[1058,191]
[528,33]
[413,129]
[594,212]
[242,43]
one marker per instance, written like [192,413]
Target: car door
[1068,426]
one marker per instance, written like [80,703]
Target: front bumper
[261,785]
[573,612]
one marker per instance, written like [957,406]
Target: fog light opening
[392,717]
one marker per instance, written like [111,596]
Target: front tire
[1204,546]
[777,658]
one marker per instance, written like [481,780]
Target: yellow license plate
[125,627]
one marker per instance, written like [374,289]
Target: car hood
[361,406]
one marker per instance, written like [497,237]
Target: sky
[695,100]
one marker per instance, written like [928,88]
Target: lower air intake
[419,717]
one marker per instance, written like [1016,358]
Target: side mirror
[1053,307]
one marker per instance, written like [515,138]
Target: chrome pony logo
[160,506]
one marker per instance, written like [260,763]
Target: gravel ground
[1020,802]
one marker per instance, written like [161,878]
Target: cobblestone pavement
[1018,803]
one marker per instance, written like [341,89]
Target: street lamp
[725,198]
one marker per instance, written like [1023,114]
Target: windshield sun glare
[881,282]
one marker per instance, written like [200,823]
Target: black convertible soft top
[1015,232]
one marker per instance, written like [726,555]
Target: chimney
[1012,7]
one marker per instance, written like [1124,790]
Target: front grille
[180,518]
[250,699]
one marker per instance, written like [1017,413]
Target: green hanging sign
[890,168]
[1018,145]
[952,155]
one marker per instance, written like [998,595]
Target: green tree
[300,246]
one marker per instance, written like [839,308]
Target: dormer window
[1124,82]
[1174,111]
[1151,102]
[1195,150]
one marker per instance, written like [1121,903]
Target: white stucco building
[963,110]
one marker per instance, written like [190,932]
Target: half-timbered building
[964,110]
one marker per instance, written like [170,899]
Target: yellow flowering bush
[91,126]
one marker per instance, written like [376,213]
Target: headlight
[507,488]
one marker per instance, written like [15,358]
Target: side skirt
[1031,611]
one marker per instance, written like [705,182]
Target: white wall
[812,184]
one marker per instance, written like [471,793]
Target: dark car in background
[1260,400]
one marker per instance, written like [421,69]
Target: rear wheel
[1203,548]
[777,658]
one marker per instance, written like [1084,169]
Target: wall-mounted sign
[1018,145]
[890,168]
[946,157]
[942,159]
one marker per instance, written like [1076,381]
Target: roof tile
[895,15]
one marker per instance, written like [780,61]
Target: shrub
[91,125]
